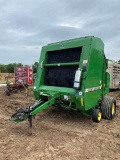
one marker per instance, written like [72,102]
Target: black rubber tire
[119,86]
[7,90]
[95,115]
[108,108]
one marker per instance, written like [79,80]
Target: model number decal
[93,89]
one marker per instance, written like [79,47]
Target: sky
[27,25]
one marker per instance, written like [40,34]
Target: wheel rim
[99,116]
[113,108]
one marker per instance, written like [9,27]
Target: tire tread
[107,106]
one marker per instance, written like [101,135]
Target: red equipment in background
[23,75]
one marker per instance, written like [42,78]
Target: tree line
[9,68]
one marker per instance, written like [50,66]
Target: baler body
[56,73]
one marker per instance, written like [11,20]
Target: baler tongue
[23,113]
[27,113]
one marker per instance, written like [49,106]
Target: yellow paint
[82,102]
[113,108]
[99,116]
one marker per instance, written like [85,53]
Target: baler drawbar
[28,113]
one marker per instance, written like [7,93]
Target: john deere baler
[72,74]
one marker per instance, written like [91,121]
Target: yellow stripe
[82,102]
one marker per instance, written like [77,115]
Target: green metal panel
[94,73]
[67,44]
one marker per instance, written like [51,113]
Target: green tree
[3,68]
[35,66]
[10,67]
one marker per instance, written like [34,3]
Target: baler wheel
[108,108]
[96,115]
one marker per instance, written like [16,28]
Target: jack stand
[30,123]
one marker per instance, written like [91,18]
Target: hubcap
[113,108]
[99,116]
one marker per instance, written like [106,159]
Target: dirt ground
[57,134]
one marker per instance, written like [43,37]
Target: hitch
[20,115]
